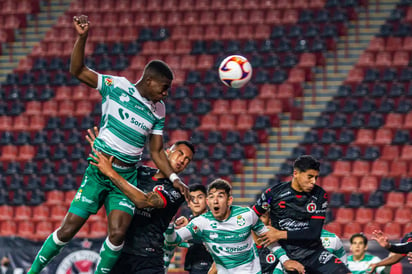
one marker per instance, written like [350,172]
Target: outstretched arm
[77,66]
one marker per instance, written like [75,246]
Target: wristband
[283,259]
[173,177]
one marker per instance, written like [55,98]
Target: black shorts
[133,264]
[324,262]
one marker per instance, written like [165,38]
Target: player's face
[219,203]
[197,202]
[179,157]
[304,181]
[265,218]
[158,88]
[357,247]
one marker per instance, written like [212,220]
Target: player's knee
[66,232]
[117,235]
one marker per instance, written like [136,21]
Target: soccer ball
[235,71]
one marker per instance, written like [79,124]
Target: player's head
[219,198]
[358,244]
[197,202]
[156,81]
[265,218]
[180,154]
[305,173]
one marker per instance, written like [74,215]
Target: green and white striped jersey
[361,267]
[127,119]
[230,242]
[334,245]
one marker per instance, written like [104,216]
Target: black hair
[197,187]
[158,68]
[220,184]
[306,162]
[186,143]
[360,235]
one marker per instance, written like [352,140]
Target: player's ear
[230,200]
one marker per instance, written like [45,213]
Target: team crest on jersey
[270,258]
[311,207]
[213,225]
[195,228]
[326,242]
[158,188]
[108,81]
[265,205]
[240,220]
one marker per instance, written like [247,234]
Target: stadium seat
[54,197]
[40,212]
[400,59]
[351,228]
[8,228]
[342,168]
[383,59]
[344,215]
[383,215]
[100,216]
[406,152]
[8,153]
[383,136]
[360,168]
[25,229]
[6,212]
[370,227]
[364,215]
[43,230]
[395,199]
[84,231]
[368,184]
[98,229]
[394,121]
[379,168]
[398,168]
[334,227]
[377,44]
[57,212]
[22,212]
[365,137]
[245,121]
[403,215]
[392,230]
[238,106]
[349,184]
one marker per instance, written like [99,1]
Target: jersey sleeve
[104,84]
[340,251]
[168,198]
[401,248]
[262,204]
[158,126]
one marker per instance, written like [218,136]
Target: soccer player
[334,245]
[403,247]
[131,114]
[297,213]
[226,231]
[197,259]
[359,261]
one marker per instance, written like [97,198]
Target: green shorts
[96,189]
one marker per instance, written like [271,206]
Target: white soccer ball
[235,71]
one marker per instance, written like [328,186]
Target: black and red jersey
[301,214]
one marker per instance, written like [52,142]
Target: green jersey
[362,266]
[334,245]
[127,119]
[229,242]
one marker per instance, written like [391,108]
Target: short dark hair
[186,143]
[220,184]
[306,162]
[197,187]
[156,68]
[360,235]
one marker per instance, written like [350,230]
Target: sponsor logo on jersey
[292,225]
[108,81]
[124,98]
[126,204]
[311,207]
[282,204]
[284,194]
[82,262]
[325,256]
[325,205]
[86,200]
[213,236]
[125,116]
[270,258]
[237,248]
[240,220]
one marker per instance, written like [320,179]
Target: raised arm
[77,66]
[159,157]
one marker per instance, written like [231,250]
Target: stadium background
[331,78]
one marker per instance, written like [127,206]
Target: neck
[359,257]
[294,185]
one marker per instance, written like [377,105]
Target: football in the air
[235,71]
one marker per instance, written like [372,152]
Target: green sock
[109,254]
[49,250]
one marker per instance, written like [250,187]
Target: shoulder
[146,171]
[326,233]
[407,238]
[279,188]
[236,210]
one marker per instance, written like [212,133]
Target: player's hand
[92,135]
[270,237]
[181,222]
[410,257]
[81,24]
[371,268]
[103,163]
[184,189]
[292,265]
[381,238]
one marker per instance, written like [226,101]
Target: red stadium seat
[245,121]
[40,212]
[26,153]
[406,152]
[8,228]
[238,106]
[205,62]
[296,76]
[364,215]
[290,17]
[187,61]
[395,199]
[342,168]
[268,91]
[66,108]
[33,108]
[330,184]
[63,93]
[25,229]
[6,212]
[393,43]
[227,122]
[178,135]
[57,212]
[220,106]
[84,231]
[273,16]
[334,227]
[368,184]
[43,230]
[273,106]
[195,32]
[369,227]
[401,59]
[20,122]
[398,168]
[390,152]
[407,228]
[6,123]
[379,168]
[22,212]
[376,44]
[392,230]
[83,108]
[344,215]
[408,121]
[50,108]
[383,215]
[37,123]
[383,59]
[355,76]
[207,17]
[8,153]
[367,59]
[98,229]
[360,168]
[383,136]
[351,228]
[256,106]
[307,60]
[365,137]
[403,215]
[208,122]
[394,120]
[349,184]
[407,43]
[54,197]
